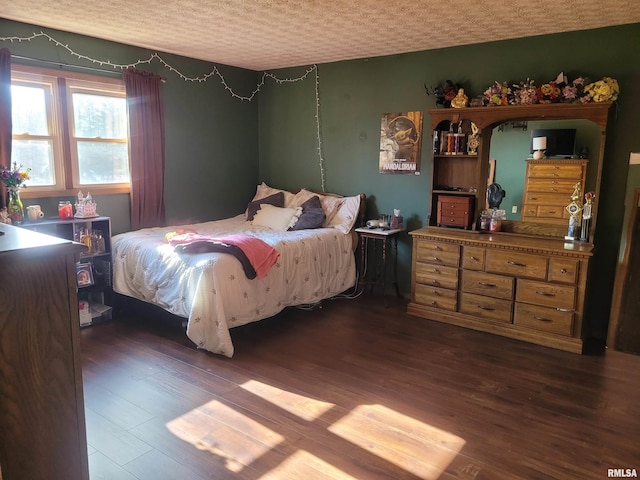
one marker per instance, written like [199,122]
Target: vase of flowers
[14,179]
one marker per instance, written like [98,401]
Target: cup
[34,212]
[383,221]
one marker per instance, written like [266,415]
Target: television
[561,142]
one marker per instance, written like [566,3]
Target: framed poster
[401,143]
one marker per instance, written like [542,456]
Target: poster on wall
[400,143]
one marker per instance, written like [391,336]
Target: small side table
[384,238]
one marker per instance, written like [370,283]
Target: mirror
[511,146]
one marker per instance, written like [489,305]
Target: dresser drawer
[437,297]
[486,307]
[559,199]
[436,275]
[551,185]
[563,270]
[473,258]
[543,318]
[547,211]
[439,253]
[524,265]
[546,294]
[453,220]
[569,171]
[482,283]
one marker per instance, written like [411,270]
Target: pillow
[276,218]
[312,215]
[330,203]
[346,215]
[277,200]
[263,190]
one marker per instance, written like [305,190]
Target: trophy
[574,212]
[586,215]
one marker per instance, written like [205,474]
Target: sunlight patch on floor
[226,433]
[306,408]
[414,446]
[303,464]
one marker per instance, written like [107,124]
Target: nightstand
[379,240]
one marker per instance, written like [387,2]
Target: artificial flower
[15,178]
[605,90]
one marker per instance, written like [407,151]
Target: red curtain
[5,116]
[146,148]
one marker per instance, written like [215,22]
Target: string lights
[203,78]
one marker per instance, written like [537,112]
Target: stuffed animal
[4,216]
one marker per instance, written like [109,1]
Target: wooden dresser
[522,287]
[548,186]
[41,400]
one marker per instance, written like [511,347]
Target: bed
[216,289]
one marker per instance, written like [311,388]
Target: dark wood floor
[353,390]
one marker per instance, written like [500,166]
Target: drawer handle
[434,303]
[437,247]
[552,212]
[545,294]
[484,307]
[435,292]
[542,319]
[435,283]
[565,309]
[436,259]
[435,270]
[487,284]
[564,270]
[533,198]
[554,189]
[475,259]
[516,264]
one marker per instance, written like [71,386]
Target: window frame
[60,118]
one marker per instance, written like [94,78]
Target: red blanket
[260,254]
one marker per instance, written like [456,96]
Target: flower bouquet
[14,178]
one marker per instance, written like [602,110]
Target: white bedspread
[211,289]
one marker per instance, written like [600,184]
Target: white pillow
[346,215]
[276,218]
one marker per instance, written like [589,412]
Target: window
[71,130]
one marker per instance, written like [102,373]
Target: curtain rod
[49,62]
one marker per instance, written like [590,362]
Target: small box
[85,313]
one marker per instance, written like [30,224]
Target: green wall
[211,137]
[354,94]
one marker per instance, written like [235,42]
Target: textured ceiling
[268,34]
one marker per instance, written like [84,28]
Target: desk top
[375,232]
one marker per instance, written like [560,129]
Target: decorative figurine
[460,100]
[586,215]
[85,206]
[574,212]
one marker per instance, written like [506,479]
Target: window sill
[95,191]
